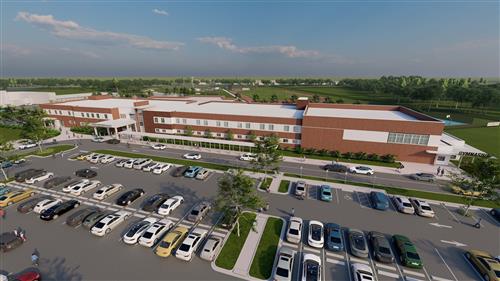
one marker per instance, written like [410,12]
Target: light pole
[326,174]
[345,177]
[301,168]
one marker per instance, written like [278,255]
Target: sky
[327,38]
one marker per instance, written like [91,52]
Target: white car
[98,139]
[192,156]
[404,205]
[70,187]
[362,272]
[106,191]
[27,145]
[248,157]
[135,231]
[422,208]
[202,174]
[150,167]
[294,231]
[189,246]
[211,248]
[89,156]
[107,159]
[161,168]
[154,232]
[109,222]
[39,177]
[96,158]
[141,163]
[311,267]
[361,170]
[121,162]
[81,189]
[158,146]
[315,237]
[45,204]
[170,205]
[130,163]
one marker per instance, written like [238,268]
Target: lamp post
[326,174]
[301,168]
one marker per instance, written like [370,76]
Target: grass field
[485,138]
[284,184]
[58,91]
[232,248]
[265,93]
[266,183]
[263,260]
[10,134]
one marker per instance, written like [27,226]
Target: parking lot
[74,254]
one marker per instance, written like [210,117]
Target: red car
[28,275]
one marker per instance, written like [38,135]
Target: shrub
[323,152]
[389,158]
[373,157]
[310,151]
[360,155]
[298,149]
[83,130]
[347,155]
[335,154]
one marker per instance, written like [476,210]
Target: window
[184,121]
[296,129]
[247,125]
[285,140]
[240,125]
[286,128]
[97,115]
[441,158]
[157,130]
[69,113]
[205,122]
[270,127]
[177,120]
[155,119]
[218,134]
[408,138]
[179,131]
[198,122]
[105,116]
[262,126]
[226,124]
[238,136]
[162,120]
[217,123]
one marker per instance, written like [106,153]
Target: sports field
[485,138]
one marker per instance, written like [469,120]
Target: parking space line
[184,225]
[317,251]
[426,273]
[44,193]
[388,274]
[290,245]
[451,214]
[218,234]
[411,272]
[335,261]
[113,209]
[139,215]
[334,255]
[385,266]
[360,260]
[337,195]
[440,278]
[88,203]
[449,269]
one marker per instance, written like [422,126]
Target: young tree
[188,131]
[5,146]
[237,193]
[208,134]
[229,135]
[274,98]
[315,98]
[268,155]
[255,97]
[34,128]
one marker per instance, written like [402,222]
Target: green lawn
[48,150]
[58,91]
[263,260]
[265,93]
[284,184]
[232,248]
[10,134]
[340,159]
[266,183]
[485,138]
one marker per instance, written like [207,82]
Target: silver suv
[300,188]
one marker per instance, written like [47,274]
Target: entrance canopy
[186,138]
[115,123]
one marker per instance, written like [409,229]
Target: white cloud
[15,50]
[289,51]
[160,12]
[85,53]
[74,31]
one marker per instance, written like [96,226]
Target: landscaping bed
[47,151]
[266,183]
[284,184]
[263,260]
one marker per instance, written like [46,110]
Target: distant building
[19,98]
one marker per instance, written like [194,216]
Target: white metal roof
[359,114]
[116,123]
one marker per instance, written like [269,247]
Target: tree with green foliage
[315,98]
[268,155]
[274,98]
[5,146]
[188,131]
[208,134]
[255,97]
[34,128]
[236,193]
[252,136]
[229,135]
[293,98]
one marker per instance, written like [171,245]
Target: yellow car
[487,266]
[171,241]
[15,196]
[82,157]
[464,191]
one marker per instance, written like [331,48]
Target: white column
[95,131]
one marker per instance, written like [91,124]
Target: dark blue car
[379,200]
[333,237]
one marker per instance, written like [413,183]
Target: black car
[154,202]
[495,213]
[179,171]
[27,206]
[113,141]
[9,241]
[86,173]
[55,211]
[23,175]
[79,216]
[129,196]
[55,182]
[336,168]
[93,218]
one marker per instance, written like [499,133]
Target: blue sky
[250,38]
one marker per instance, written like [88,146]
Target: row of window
[228,124]
[408,138]
[78,114]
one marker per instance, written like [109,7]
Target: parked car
[77,218]
[4,190]
[487,266]
[75,184]
[9,241]
[495,213]
[154,232]
[202,174]
[28,205]
[248,157]
[4,164]
[315,237]
[113,141]
[86,173]
[106,191]
[179,171]
[190,245]
[15,196]
[23,175]
[98,139]
[422,208]
[27,145]
[333,237]
[45,204]
[362,272]
[130,196]
[381,247]
[41,176]
[363,170]
[161,168]
[137,229]
[300,189]
[93,218]
[96,158]
[192,171]
[404,205]
[109,222]
[82,156]
[170,205]
[55,211]
[150,167]
[211,248]
[192,156]
[464,189]
[129,164]
[283,269]
[141,163]
[407,251]
[199,211]
[158,146]
[326,193]
[55,182]
[171,241]
[423,177]
[29,274]
[379,200]
[81,189]
[294,231]
[121,162]
[336,168]
[154,202]
[311,268]
[107,159]
[357,243]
